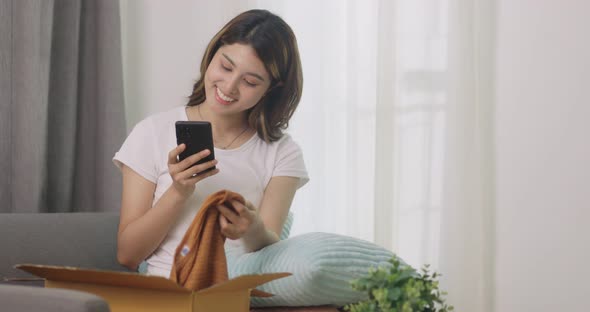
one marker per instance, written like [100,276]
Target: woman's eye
[251,84]
[225,67]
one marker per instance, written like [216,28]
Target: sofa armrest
[32,299]
[81,239]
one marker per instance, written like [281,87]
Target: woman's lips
[218,97]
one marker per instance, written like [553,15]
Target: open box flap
[245,282]
[136,280]
[110,278]
[260,293]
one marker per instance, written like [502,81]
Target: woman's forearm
[140,238]
[259,237]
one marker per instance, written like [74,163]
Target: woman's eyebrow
[249,73]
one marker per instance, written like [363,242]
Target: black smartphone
[197,136]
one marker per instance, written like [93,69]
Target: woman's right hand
[185,177]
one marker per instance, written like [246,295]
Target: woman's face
[235,80]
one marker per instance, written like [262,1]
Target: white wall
[543,156]
[163,43]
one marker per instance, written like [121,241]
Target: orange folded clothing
[199,260]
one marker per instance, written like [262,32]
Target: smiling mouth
[224,97]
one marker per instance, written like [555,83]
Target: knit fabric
[199,260]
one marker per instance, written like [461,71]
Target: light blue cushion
[287,226]
[322,265]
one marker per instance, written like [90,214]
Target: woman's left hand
[238,219]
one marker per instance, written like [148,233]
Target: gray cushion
[35,299]
[82,239]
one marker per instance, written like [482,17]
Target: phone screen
[197,136]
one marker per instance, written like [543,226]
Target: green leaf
[400,288]
[394,294]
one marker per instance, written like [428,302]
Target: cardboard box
[130,292]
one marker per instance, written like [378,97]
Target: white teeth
[223,96]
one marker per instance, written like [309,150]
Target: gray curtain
[61,105]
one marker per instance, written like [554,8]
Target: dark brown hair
[276,46]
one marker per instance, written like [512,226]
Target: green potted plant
[400,288]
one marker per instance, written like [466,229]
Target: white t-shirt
[245,170]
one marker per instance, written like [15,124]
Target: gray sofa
[322,264]
[87,240]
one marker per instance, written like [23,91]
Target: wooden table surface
[295,309]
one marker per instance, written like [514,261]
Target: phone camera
[186,133]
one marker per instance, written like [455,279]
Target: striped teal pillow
[322,265]
[287,226]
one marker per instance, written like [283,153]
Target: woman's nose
[233,85]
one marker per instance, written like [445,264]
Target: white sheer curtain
[373,120]
[395,124]
[395,120]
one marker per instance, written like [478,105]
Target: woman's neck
[222,124]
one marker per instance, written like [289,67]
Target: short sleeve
[138,152]
[289,161]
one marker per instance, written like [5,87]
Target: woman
[249,87]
